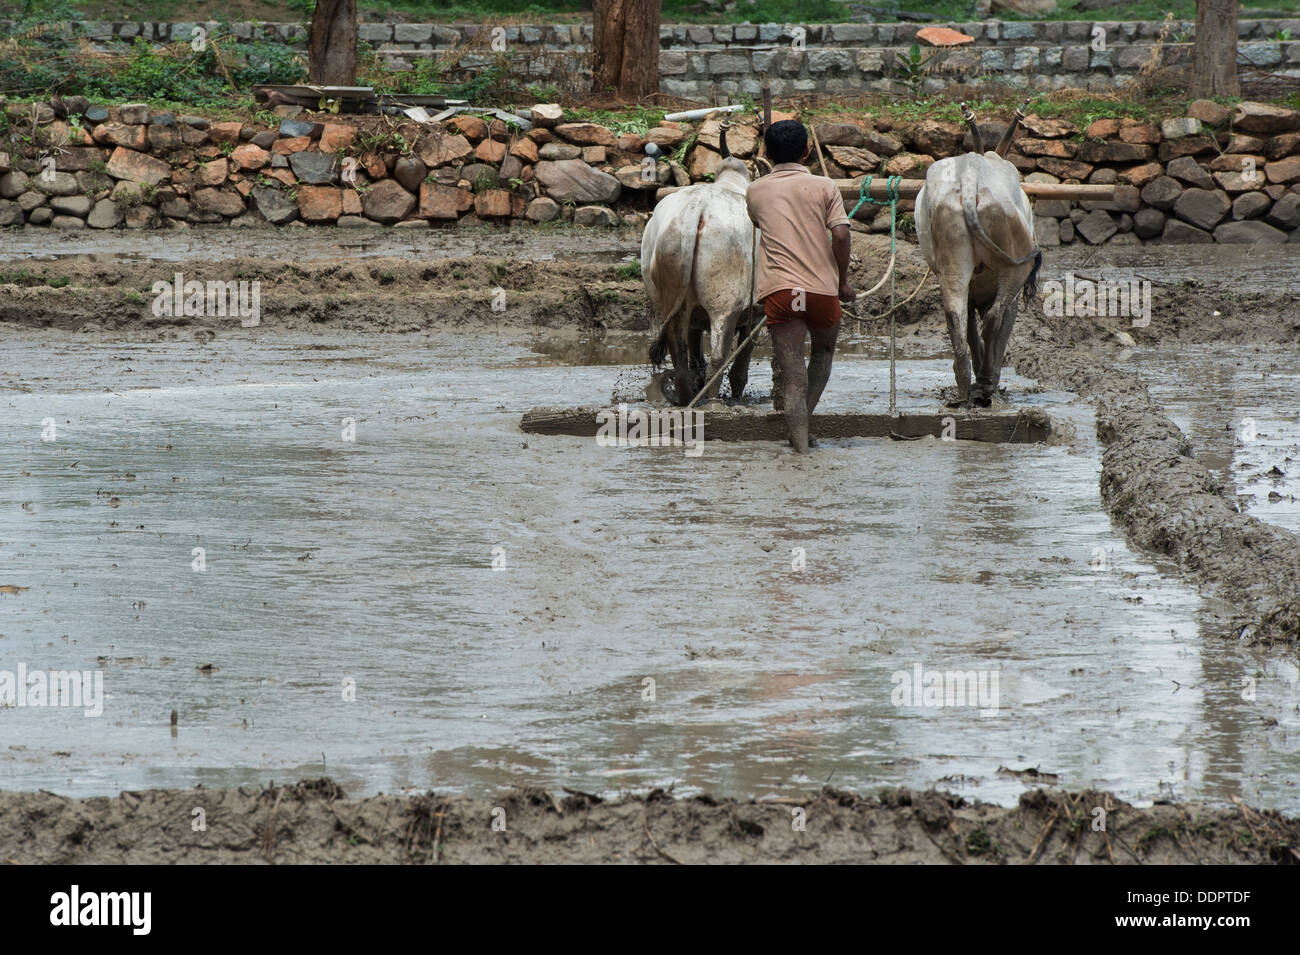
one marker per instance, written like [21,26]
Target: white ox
[697,255]
[976,230]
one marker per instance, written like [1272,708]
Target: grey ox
[697,256]
[976,230]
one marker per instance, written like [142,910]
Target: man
[802,276]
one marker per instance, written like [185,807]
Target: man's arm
[840,248]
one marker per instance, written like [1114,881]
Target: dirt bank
[313,822]
[1151,481]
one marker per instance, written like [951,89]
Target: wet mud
[314,822]
[751,720]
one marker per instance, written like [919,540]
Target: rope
[891,200]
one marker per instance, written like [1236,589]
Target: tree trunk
[626,46]
[1214,56]
[332,43]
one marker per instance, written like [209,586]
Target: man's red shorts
[816,311]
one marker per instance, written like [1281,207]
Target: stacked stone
[127,165]
[1212,176]
[697,59]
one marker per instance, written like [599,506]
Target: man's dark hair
[786,141]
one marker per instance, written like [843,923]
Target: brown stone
[1284,170]
[1140,175]
[410,172]
[212,173]
[1047,128]
[335,137]
[1208,111]
[491,151]
[492,203]
[1102,129]
[387,201]
[1065,169]
[470,126]
[1247,144]
[586,134]
[526,150]
[438,201]
[138,167]
[1172,149]
[163,139]
[934,138]
[839,134]
[122,134]
[742,137]
[221,201]
[908,165]
[666,137]
[1056,148]
[1250,117]
[1145,134]
[1234,162]
[701,163]
[351,202]
[441,148]
[225,132]
[1281,146]
[851,158]
[294,144]
[1115,152]
[249,157]
[547,114]
[320,203]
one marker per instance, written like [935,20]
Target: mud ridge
[313,822]
[1165,499]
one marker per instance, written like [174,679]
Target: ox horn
[969,116]
[722,140]
[1010,134]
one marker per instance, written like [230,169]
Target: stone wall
[1210,176]
[698,60]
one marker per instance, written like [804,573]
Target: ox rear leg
[974,316]
[683,389]
[738,376]
[721,333]
[954,294]
[699,370]
[999,321]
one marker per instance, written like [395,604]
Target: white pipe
[692,114]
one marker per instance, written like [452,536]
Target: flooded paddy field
[333,553]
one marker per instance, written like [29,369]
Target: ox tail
[1031,283]
[677,283]
[968,186]
[659,347]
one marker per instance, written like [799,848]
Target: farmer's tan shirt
[795,209]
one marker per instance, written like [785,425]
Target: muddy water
[368,563]
[1240,407]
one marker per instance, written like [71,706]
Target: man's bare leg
[819,364]
[787,353]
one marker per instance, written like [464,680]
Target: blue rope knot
[891,200]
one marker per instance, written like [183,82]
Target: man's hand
[847,295]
